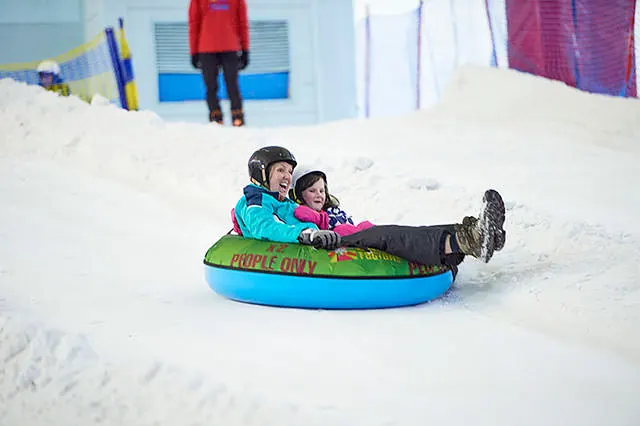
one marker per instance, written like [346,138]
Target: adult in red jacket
[218,31]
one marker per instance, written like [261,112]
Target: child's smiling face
[315,196]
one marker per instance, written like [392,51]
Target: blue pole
[494,56]
[117,70]
[576,52]
[367,77]
[419,65]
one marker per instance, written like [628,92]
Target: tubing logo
[218,4]
[342,254]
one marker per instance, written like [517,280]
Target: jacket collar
[253,189]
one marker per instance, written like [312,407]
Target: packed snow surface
[105,316]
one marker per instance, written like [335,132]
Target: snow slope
[105,317]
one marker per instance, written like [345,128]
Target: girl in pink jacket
[317,206]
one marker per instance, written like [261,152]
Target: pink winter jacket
[321,219]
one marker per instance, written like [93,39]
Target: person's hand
[195,60]
[243,60]
[328,240]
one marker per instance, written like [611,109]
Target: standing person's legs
[209,63]
[229,62]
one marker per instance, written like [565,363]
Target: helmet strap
[264,176]
[264,182]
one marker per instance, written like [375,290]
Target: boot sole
[501,238]
[492,236]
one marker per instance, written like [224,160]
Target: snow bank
[50,377]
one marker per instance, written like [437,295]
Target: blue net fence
[405,60]
[101,66]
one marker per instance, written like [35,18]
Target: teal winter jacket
[262,216]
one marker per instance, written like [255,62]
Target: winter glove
[243,60]
[328,240]
[195,60]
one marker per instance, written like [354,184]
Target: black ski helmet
[262,159]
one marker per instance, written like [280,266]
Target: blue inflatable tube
[297,291]
[299,276]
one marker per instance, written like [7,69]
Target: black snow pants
[419,244]
[210,63]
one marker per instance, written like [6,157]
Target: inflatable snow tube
[299,276]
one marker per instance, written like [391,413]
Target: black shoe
[216,116]
[237,118]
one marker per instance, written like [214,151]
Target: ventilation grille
[269,47]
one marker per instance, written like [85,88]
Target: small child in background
[49,78]
[318,206]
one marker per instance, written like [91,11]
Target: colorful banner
[236,252]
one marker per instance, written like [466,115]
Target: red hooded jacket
[218,26]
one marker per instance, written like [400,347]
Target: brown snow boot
[500,237]
[480,237]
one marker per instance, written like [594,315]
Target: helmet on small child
[262,159]
[48,67]
[302,180]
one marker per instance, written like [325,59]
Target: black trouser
[210,62]
[419,244]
